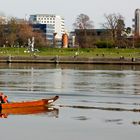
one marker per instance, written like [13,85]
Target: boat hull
[42,102]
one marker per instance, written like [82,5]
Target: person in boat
[5,99]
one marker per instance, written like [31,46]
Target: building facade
[54,21]
[47,30]
[137,22]
[3,20]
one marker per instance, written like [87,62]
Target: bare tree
[82,25]
[83,22]
[115,24]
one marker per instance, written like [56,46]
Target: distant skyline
[95,9]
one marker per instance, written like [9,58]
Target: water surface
[100,102]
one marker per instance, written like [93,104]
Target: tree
[16,33]
[2,34]
[12,31]
[83,24]
[115,24]
[120,28]
[24,33]
[128,30]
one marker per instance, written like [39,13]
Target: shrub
[105,44]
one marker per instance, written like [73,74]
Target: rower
[5,99]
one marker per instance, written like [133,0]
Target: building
[56,22]
[93,33]
[72,39]
[46,29]
[3,20]
[137,22]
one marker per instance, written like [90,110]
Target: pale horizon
[95,9]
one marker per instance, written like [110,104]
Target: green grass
[88,52]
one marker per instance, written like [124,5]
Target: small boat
[23,104]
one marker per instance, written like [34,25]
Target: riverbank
[69,60]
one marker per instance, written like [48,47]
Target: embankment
[68,60]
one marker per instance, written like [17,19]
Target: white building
[50,19]
[137,22]
[3,20]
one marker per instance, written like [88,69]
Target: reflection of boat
[35,103]
[51,111]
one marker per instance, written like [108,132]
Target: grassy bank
[89,52]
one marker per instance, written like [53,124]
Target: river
[100,102]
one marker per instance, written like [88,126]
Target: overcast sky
[70,9]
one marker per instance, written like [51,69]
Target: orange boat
[25,104]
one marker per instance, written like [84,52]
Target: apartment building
[55,21]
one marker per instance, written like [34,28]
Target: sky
[70,9]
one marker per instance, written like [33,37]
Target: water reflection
[102,108]
[68,66]
[3,115]
[41,110]
[136,122]
[116,121]
[81,118]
